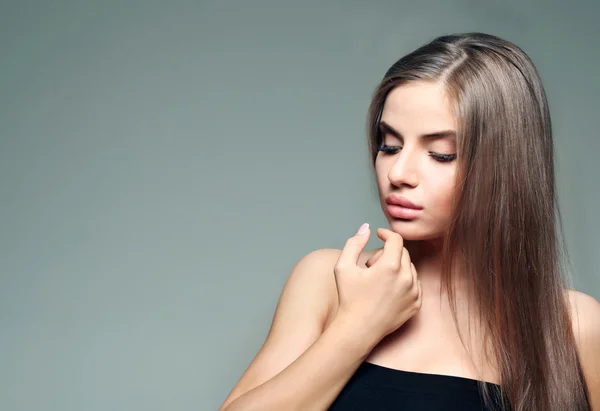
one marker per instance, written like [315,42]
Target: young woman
[466,306]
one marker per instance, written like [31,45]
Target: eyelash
[442,158]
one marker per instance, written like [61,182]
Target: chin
[411,230]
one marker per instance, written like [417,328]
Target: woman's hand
[383,296]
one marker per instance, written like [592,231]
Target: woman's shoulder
[585,319]
[323,261]
[585,311]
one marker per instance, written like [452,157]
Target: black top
[377,388]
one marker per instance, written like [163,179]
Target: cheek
[442,191]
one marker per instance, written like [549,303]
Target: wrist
[354,336]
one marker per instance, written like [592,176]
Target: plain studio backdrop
[163,166]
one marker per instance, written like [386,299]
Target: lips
[394,199]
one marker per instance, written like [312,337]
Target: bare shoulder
[585,313]
[298,320]
[305,299]
[316,271]
[312,280]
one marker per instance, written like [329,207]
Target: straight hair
[506,230]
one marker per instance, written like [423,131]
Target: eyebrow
[385,128]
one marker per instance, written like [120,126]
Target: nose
[404,170]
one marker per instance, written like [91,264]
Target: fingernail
[363,229]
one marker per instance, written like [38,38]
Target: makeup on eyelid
[385,129]
[439,157]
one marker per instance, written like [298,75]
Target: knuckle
[394,265]
[405,255]
[416,292]
[416,309]
[406,282]
[339,266]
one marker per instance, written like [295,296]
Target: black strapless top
[377,388]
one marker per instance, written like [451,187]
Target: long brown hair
[506,227]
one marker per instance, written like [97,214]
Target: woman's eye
[389,149]
[442,158]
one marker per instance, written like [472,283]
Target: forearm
[314,380]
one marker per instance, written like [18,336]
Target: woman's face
[414,168]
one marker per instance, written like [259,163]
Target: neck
[426,255]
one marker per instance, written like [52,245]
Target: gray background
[163,165]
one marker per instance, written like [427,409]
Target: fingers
[373,259]
[393,249]
[415,278]
[353,247]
